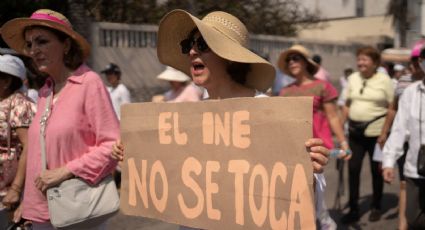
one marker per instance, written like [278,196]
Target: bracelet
[336,152]
[15,188]
[343,142]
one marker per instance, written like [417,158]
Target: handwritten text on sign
[233,164]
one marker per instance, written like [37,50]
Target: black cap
[316,58]
[111,68]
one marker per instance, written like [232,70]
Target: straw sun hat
[13,30]
[225,35]
[171,74]
[281,63]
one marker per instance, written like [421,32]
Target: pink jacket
[80,132]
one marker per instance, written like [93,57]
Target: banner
[229,164]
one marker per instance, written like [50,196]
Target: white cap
[12,65]
[398,67]
[171,74]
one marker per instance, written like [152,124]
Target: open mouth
[198,66]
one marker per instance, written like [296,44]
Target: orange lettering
[259,215]
[191,165]
[222,129]
[241,132]
[164,127]
[239,167]
[179,137]
[279,170]
[301,201]
[210,188]
[134,182]
[208,128]
[160,204]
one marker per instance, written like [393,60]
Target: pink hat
[416,50]
[13,30]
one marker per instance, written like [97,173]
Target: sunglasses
[364,86]
[295,58]
[188,43]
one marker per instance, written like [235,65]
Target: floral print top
[21,113]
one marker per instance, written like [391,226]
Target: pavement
[389,219]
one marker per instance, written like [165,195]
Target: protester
[343,82]
[118,92]
[369,95]
[182,89]
[296,63]
[321,73]
[408,124]
[403,82]
[16,113]
[81,127]
[216,57]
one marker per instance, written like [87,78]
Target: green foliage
[260,16]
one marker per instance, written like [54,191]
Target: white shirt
[407,122]
[119,95]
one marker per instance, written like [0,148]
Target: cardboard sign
[229,164]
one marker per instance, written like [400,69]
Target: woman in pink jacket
[82,125]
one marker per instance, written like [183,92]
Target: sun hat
[225,35]
[398,67]
[111,68]
[13,66]
[300,50]
[13,30]
[171,74]
[416,49]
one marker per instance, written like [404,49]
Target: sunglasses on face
[295,58]
[188,43]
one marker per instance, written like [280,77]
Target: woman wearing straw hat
[181,87]
[16,113]
[213,51]
[296,62]
[81,126]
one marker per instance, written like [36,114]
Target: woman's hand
[17,214]
[318,153]
[118,151]
[382,139]
[347,154]
[12,196]
[388,174]
[50,178]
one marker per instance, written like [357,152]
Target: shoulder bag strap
[43,123]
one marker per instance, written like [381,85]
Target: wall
[133,48]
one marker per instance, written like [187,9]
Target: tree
[280,17]
[260,16]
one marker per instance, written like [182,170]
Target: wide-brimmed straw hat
[171,74]
[13,30]
[226,36]
[281,63]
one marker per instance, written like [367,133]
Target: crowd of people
[207,59]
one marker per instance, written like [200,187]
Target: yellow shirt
[369,99]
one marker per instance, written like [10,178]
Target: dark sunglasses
[364,86]
[295,58]
[188,43]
